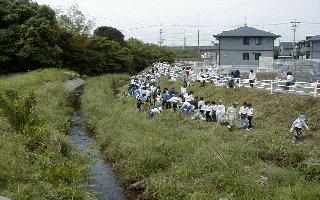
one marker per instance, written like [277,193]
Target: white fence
[278,86]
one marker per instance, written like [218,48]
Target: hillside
[180,158]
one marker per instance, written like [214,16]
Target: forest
[34,36]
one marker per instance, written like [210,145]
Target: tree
[141,56]
[276,52]
[38,43]
[74,21]
[110,33]
[145,54]
[108,56]
[28,36]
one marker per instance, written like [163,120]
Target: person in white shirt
[250,113]
[201,103]
[189,96]
[174,100]
[289,80]
[186,107]
[208,111]
[252,78]
[183,90]
[154,111]
[213,111]
[221,109]
[232,115]
[297,126]
[243,115]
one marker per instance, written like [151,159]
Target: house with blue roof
[244,46]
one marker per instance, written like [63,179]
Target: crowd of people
[145,88]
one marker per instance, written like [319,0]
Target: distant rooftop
[246,31]
[315,38]
[286,44]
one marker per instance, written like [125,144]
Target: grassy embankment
[36,159]
[178,158]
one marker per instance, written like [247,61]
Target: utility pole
[294,25]
[198,51]
[198,43]
[161,32]
[184,40]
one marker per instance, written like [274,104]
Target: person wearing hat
[221,109]
[232,115]
[297,127]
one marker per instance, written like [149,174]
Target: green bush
[36,158]
[17,109]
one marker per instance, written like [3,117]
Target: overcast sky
[142,19]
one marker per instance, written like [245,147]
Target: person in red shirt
[188,72]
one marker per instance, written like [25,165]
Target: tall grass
[178,158]
[36,158]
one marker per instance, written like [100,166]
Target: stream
[103,179]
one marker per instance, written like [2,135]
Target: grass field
[36,158]
[180,158]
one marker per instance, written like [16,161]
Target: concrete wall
[230,57]
[315,50]
[285,51]
[232,49]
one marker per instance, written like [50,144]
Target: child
[243,116]
[154,111]
[252,78]
[297,126]
[250,113]
[221,109]
[139,104]
[232,115]
[208,111]
[213,112]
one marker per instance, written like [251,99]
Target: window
[256,56]
[246,40]
[258,40]
[245,56]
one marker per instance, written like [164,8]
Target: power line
[314,23]
[234,7]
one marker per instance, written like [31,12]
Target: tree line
[34,36]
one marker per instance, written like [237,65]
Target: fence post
[271,86]
[315,89]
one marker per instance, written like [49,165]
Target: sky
[179,19]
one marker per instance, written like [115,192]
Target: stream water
[104,180]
